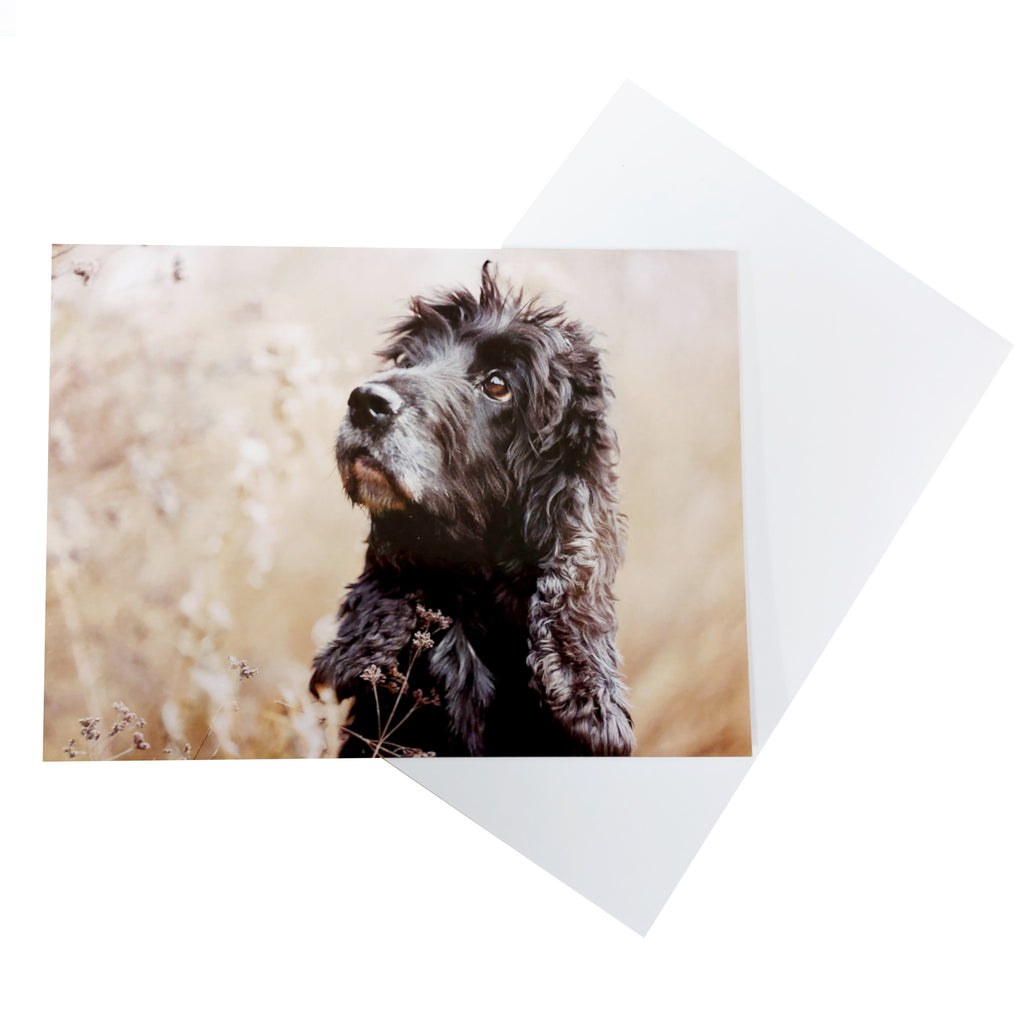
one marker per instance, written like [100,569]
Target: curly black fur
[485,459]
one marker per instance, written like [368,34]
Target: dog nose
[373,404]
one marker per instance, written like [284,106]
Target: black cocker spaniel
[484,621]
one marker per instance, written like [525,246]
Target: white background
[869,867]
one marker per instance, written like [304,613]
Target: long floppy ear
[573,525]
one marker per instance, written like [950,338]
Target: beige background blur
[195,513]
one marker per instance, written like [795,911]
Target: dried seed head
[127,718]
[90,727]
[242,667]
[139,742]
[422,641]
[373,675]
[85,269]
[428,616]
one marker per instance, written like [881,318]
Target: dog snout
[373,404]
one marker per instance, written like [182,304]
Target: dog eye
[495,386]
[402,359]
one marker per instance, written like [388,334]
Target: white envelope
[855,379]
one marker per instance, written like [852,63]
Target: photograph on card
[394,503]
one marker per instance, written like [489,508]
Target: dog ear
[574,527]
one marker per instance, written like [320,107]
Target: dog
[484,621]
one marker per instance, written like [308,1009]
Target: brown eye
[402,359]
[495,386]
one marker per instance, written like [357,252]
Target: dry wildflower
[85,269]
[121,724]
[139,742]
[71,751]
[245,671]
[373,675]
[128,717]
[396,682]
[90,727]
[429,617]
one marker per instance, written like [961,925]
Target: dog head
[490,415]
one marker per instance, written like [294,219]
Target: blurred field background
[196,516]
